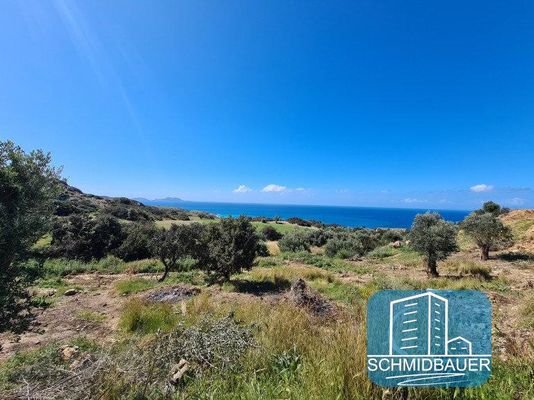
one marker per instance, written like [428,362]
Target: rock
[81,363]
[69,352]
[396,244]
[172,294]
[178,371]
[70,292]
[303,296]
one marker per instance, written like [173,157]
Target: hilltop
[74,201]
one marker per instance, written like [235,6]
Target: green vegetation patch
[134,285]
[143,318]
[91,316]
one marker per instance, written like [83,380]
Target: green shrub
[382,252]
[232,246]
[84,238]
[137,242]
[270,233]
[295,241]
[177,243]
[343,247]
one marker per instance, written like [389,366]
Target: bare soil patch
[71,316]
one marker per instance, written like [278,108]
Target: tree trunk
[164,273]
[484,253]
[432,267]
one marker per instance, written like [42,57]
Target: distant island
[164,200]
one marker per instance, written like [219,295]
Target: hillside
[522,224]
[73,201]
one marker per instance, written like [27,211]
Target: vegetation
[84,238]
[137,243]
[295,241]
[177,243]
[232,245]
[28,188]
[486,229]
[249,339]
[270,233]
[433,238]
[144,318]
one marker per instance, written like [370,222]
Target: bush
[232,245]
[270,233]
[381,252]
[137,242]
[319,237]
[81,237]
[343,247]
[295,241]
[299,221]
[177,243]
[128,211]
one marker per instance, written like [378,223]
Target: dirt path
[93,311]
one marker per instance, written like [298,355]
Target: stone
[178,371]
[69,352]
[70,292]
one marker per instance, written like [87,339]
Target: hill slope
[73,201]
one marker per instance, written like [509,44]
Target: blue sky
[372,103]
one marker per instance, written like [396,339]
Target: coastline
[349,216]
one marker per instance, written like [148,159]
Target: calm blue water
[368,217]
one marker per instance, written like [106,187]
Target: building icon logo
[429,338]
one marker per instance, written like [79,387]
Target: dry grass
[466,267]
[273,248]
[290,273]
[143,317]
[527,310]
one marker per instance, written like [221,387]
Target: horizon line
[305,205]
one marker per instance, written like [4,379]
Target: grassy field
[282,227]
[249,339]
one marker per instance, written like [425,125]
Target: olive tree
[488,232]
[232,246]
[180,241]
[28,186]
[434,238]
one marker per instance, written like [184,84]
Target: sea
[366,217]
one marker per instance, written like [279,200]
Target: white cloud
[242,189]
[274,188]
[480,188]
[300,189]
[411,200]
